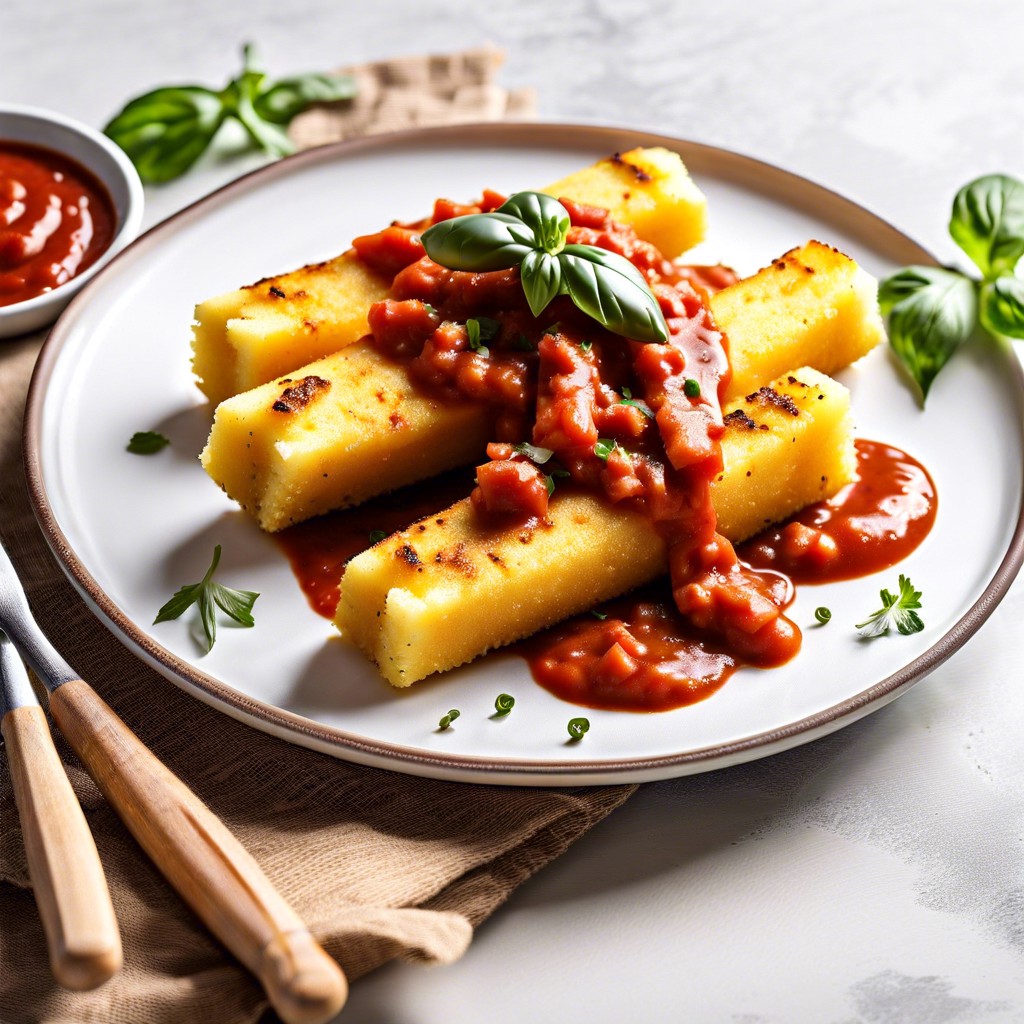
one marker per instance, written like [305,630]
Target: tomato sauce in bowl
[56,220]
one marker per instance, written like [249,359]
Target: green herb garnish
[529,231]
[446,720]
[578,728]
[899,610]
[604,447]
[209,596]
[165,131]
[933,310]
[503,704]
[823,615]
[599,615]
[475,333]
[147,442]
[376,536]
[637,403]
[550,478]
[691,388]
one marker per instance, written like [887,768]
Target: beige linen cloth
[380,865]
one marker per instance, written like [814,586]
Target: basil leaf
[479,241]
[165,131]
[1002,307]
[906,282]
[290,96]
[610,289]
[932,313]
[239,97]
[547,217]
[541,274]
[988,223]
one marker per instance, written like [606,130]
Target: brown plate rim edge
[337,742]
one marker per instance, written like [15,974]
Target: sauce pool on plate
[56,220]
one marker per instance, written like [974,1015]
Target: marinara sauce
[56,220]
[872,523]
[639,424]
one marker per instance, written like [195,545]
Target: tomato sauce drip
[869,525]
[318,550]
[643,656]
[55,221]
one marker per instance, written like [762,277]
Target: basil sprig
[933,310]
[529,231]
[166,130]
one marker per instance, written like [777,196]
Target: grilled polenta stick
[352,425]
[250,336]
[412,603]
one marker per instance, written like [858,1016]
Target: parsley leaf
[209,596]
[899,610]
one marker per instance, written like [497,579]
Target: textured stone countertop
[877,875]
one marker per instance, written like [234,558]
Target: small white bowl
[108,163]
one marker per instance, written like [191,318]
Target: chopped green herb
[599,615]
[376,536]
[586,346]
[549,478]
[474,333]
[446,720]
[691,388]
[899,610]
[430,309]
[823,615]
[147,442]
[578,728]
[209,596]
[553,328]
[604,447]
[524,343]
[637,403]
[503,704]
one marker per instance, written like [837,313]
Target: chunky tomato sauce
[638,423]
[869,525]
[55,221]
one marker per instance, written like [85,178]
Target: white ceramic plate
[130,530]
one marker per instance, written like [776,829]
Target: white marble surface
[875,876]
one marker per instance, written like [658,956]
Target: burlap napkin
[380,865]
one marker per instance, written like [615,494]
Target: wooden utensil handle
[202,860]
[70,889]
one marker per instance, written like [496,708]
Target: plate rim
[297,728]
